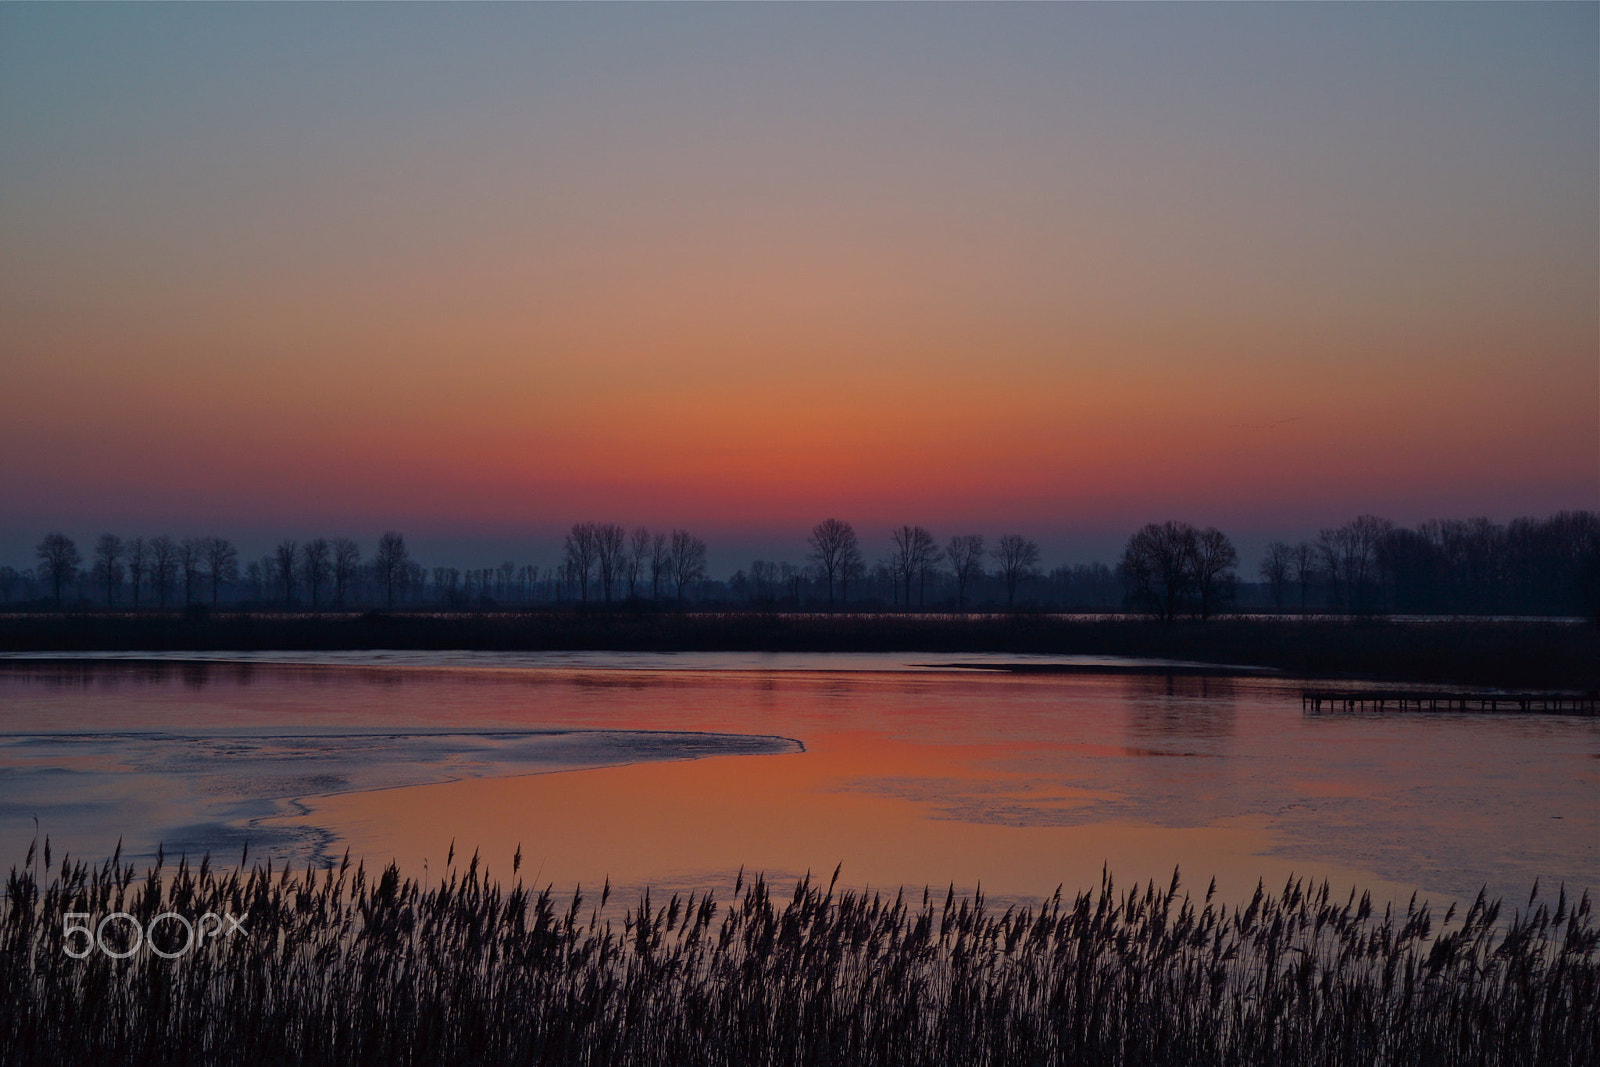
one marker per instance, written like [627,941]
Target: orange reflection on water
[693,823]
[1020,782]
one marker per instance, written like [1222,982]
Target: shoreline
[1524,654]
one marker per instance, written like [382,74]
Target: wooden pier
[1315,700]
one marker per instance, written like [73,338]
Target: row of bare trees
[1529,565]
[157,565]
[914,559]
[600,560]
[327,570]
[158,571]
[606,555]
[1172,567]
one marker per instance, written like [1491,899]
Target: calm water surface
[675,771]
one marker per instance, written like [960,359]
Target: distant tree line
[1529,566]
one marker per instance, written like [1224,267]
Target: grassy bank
[338,967]
[1512,654]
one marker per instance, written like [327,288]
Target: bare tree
[833,545]
[346,565]
[1336,551]
[1018,559]
[222,563]
[446,583]
[915,554]
[1276,567]
[638,554]
[138,562]
[9,579]
[58,561]
[1213,562]
[688,560]
[108,566]
[580,551]
[927,564]
[660,564]
[610,548]
[261,582]
[390,563]
[1303,560]
[316,566]
[284,568]
[763,578]
[191,552]
[900,564]
[852,568]
[1157,566]
[163,566]
[1370,533]
[1350,557]
[886,576]
[791,577]
[965,554]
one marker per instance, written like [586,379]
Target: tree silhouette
[346,565]
[1350,557]
[108,566]
[1276,566]
[316,566]
[763,577]
[138,563]
[191,551]
[1212,564]
[1017,557]
[915,553]
[791,578]
[660,564]
[638,555]
[446,580]
[58,561]
[580,550]
[688,560]
[833,547]
[610,548]
[1157,566]
[163,566]
[222,563]
[1304,569]
[284,558]
[260,573]
[965,554]
[390,562]
[852,568]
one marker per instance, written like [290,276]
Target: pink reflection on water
[1020,782]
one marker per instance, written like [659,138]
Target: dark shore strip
[1493,654]
[339,967]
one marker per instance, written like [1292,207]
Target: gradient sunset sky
[478,272]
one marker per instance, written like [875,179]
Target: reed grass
[351,966]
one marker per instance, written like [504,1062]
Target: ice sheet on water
[208,792]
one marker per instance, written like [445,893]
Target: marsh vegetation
[347,965]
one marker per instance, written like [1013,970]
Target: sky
[477,272]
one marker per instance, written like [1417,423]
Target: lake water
[676,770]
